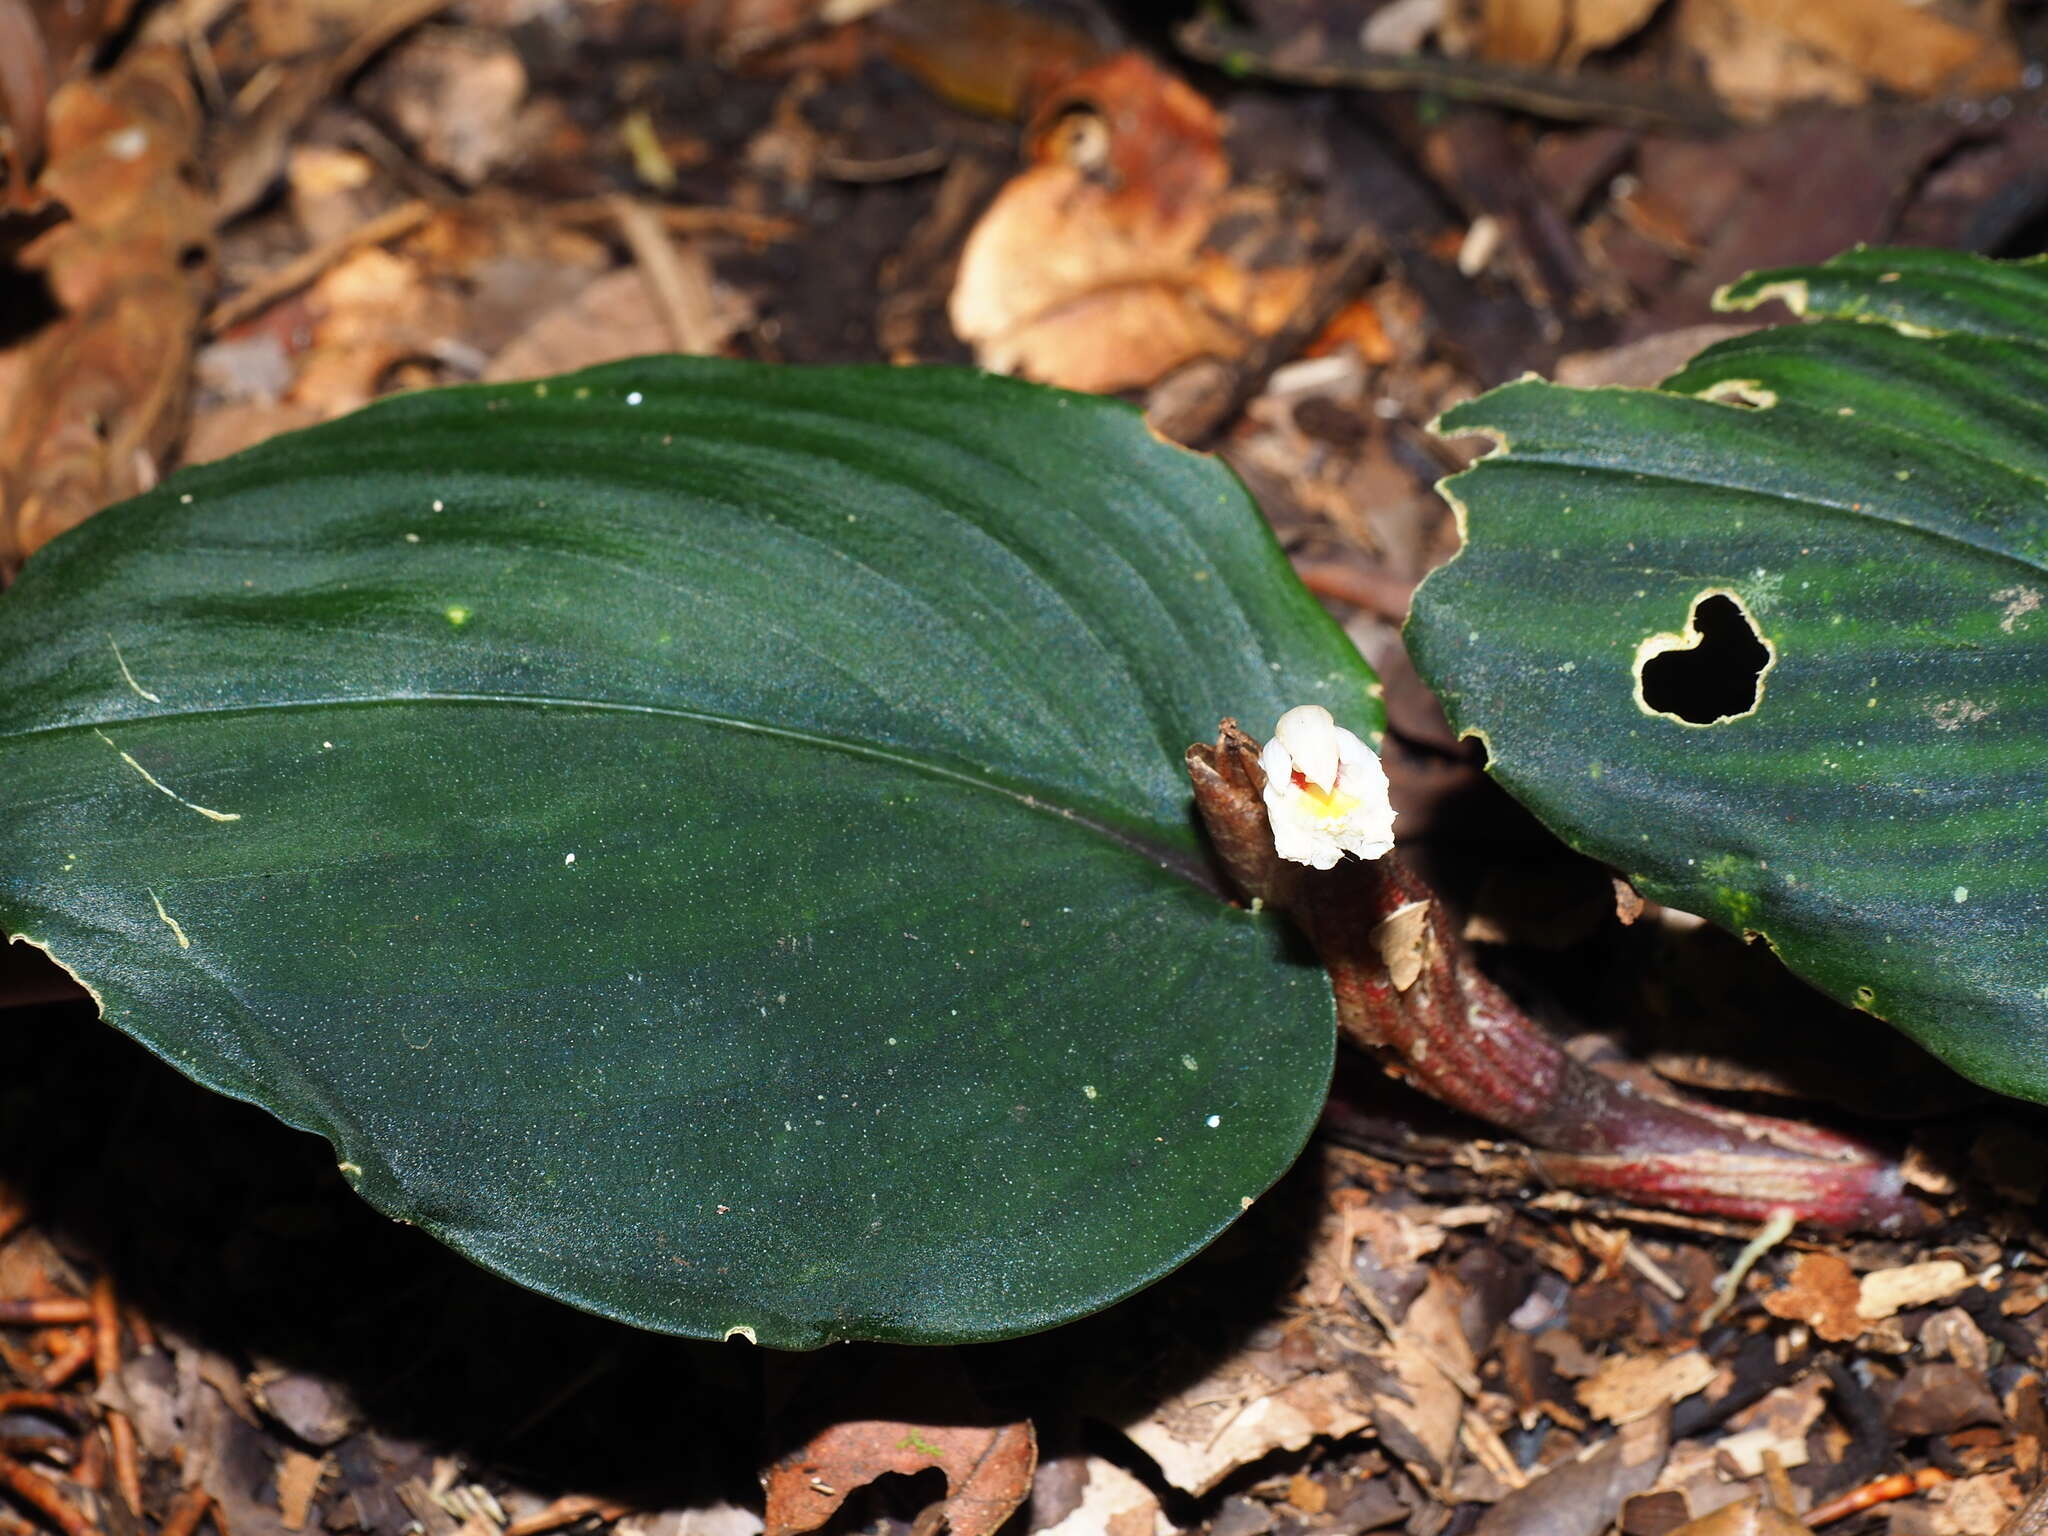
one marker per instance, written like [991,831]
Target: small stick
[106,1330]
[186,1514]
[13,1215]
[1374,591]
[45,1312]
[106,1357]
[1335,286]
[1573,98]
[41,1495]
[70,1360]
[90,1470]
[65,1408]
[1900,1485]
[679,278]
[302,270]
[567,1510]
[684,219]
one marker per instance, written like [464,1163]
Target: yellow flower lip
[1327,804]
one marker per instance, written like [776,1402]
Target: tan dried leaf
[1631,1387]
[298,1482]
[1888,1291]
[1597,24]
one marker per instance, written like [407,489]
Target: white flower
[1326,794]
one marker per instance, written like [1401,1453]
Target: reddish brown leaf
[987,1465]
[1823,1294]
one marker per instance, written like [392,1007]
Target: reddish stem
[1411,992]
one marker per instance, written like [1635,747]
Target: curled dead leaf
[1088,270]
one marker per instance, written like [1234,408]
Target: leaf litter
[199,1324]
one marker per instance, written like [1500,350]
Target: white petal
[1310,736]
[1307,827]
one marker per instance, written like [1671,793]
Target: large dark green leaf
[708,842]
[1872,494]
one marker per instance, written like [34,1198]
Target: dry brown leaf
[1088,269]
[1111,1503]
[987,1470]
[455,94]
[1418,1405]
[1822,1294]
[1582,1496]
[1884,1292]
[984,55]
[1540,33]
[1522,31]
[1598,24]
[1631,1387]
[1760,54]
[1973,1506]
[100,396]
[371,311]
[1748,1517]
[613,317]
[1276,1395]
[298,1483]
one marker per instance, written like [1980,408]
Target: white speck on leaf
[1962,894]
[1213,1121]
[170,921]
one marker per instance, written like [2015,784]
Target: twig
[679,278]
[45,1312]
[1900,1485]
[684,220]
[1576,98]
[918,162]
[1198,423]
[302,270]
[1374,591]
[41,1495]
[106,1356]
[186,1514]
[52,1403]
[70,1360]
[567,1510]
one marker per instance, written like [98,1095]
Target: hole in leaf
[1713,672]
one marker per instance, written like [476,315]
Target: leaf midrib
[1184,865]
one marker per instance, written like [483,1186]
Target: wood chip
[1888,1291]
[1635,1386]
[1822,1294]
[298,1480]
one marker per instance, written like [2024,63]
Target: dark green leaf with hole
[707,841]
[1856,509]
